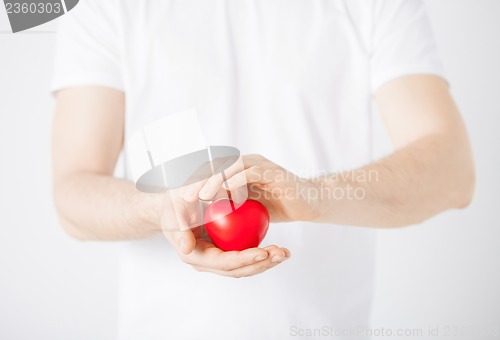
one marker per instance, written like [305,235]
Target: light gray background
[444,272]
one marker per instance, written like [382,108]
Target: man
[290,84]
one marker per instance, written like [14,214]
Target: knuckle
[257,156]
[259,173]
[271,248]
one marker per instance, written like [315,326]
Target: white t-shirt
[289,79]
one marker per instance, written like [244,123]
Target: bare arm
[430,171]
[87,140]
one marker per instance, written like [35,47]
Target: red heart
[234,227]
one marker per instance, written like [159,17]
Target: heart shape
[233,227]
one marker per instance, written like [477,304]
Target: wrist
[310,191]
[147,209]
[324,189]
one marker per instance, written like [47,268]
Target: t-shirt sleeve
[87,47]
[402,42]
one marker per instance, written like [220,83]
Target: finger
[197,180]
[211,187]
[276,254]
[209,256]
[183,241]
[251,175]
[179,234]
[250,270]
[239,195]
[186,242]
[214,183]
[254,269]
[185,237]
[224,163]
[246,170]
[190,192]
[201,172]
[232,260]
[288,253]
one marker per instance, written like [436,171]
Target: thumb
[180,236]
[186,242]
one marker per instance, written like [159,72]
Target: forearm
[426,177]
[100,207]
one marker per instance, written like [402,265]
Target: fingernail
[261,257]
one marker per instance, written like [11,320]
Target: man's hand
[286,196]
[181,223]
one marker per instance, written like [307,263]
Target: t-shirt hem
[88,79]
[382,78]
